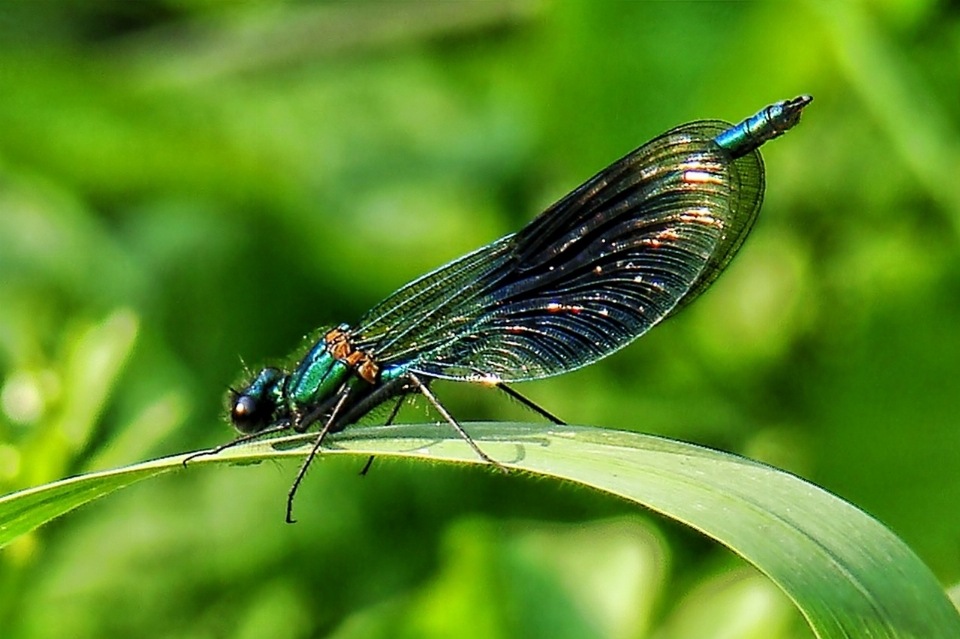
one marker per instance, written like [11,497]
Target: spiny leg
[396,409]
[529,403]
[313,453]
[239,440]
[393,416]
[377,397]
[422,388]
[366,466]
[304,423]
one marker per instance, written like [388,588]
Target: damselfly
[630,247]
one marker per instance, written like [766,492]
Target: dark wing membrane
[434,309]
[744,204]
[587,276]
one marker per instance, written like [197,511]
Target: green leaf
[848,574]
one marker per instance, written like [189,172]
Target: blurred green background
[184,183]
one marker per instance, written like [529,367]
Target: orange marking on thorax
[339,346]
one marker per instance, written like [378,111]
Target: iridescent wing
[589,275]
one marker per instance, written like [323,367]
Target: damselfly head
[255,407]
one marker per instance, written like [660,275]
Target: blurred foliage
[183,182]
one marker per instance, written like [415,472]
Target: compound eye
[245,415]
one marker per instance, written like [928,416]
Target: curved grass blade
[847,573]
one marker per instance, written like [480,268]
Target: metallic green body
[316,378]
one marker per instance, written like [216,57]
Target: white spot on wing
[701,177]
